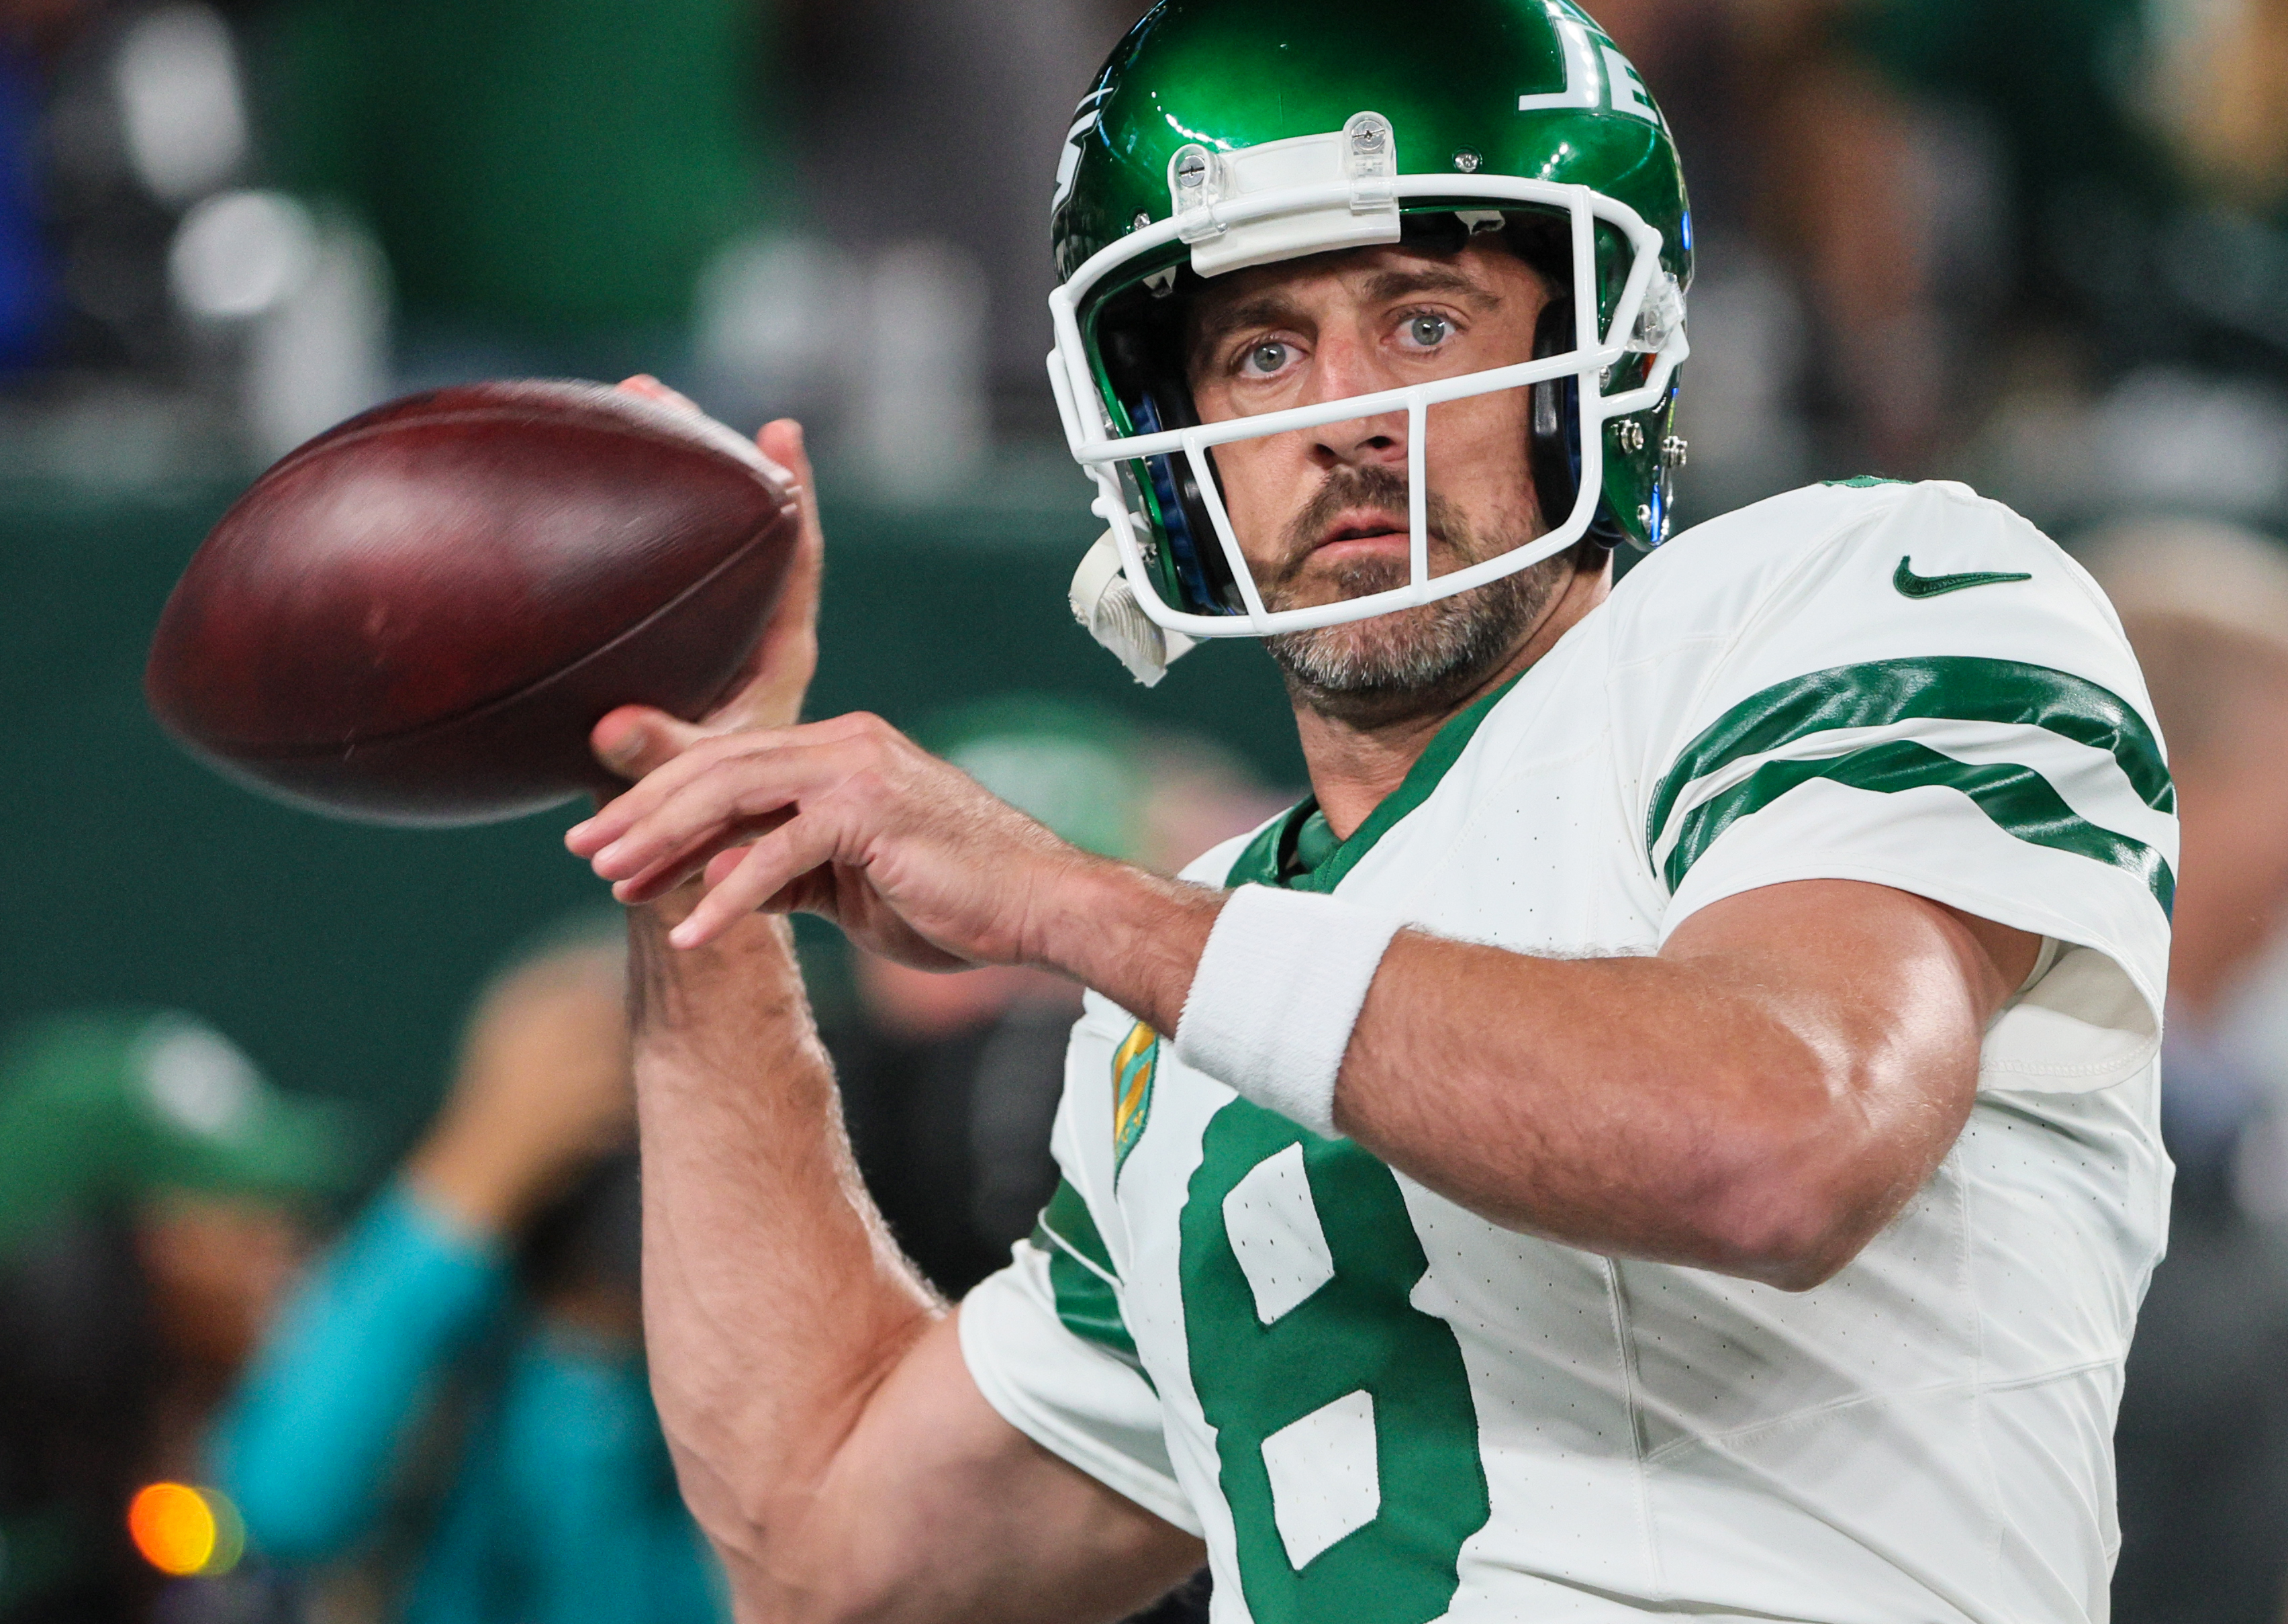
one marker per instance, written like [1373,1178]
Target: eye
[1263,360]
[1427,332]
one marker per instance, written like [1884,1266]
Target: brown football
[418,616]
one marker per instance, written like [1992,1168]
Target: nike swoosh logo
[1914,586]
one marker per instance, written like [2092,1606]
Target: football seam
[652,434]
[279,752]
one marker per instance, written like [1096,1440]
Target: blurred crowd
[227,223]
[2040,245]
[2035,244]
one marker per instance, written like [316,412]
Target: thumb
[636,739]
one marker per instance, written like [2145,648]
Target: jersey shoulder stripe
[1957,688]
[2019,800]
[1694,803]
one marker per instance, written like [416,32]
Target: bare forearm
[1599,1102]
[1721,1110]
[1761,1099]
[1625,1106]
[825,1430]
[1631,1107]
[1134,936]
[774,1301]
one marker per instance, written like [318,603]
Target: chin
[1413,657]
[1409,652]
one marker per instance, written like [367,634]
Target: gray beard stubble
[1414,658]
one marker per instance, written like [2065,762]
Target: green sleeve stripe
[1067,1221]
[2019,800]
[1080,1272]
[1088,1305]
[1949,688]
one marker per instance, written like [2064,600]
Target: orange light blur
[182,1531]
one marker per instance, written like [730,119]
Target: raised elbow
[1805,1260]
[1793,1233]
[1798,1197]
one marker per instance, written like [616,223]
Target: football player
[1668,1126]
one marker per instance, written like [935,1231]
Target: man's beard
[1369,672]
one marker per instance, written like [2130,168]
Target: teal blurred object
[562,1504]
[341,957]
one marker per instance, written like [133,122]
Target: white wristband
[1275,996]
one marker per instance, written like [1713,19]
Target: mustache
[1347,488]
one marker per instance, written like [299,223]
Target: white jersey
[1378,1409]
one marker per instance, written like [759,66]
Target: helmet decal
[1596,74]
[1086,118]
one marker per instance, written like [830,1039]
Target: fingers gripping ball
[418,616]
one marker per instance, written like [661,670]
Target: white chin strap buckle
[1104,602]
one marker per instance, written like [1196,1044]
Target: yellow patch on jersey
[1133,1065]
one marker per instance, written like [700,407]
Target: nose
[1344,367]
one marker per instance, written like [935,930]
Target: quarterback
[1667,1127]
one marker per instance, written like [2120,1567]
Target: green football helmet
[1224,134]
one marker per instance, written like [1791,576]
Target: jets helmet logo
[1594,71]
[1086,117]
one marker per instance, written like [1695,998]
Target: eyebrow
[1279,310]
[1387,285]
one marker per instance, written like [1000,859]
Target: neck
[1355,764]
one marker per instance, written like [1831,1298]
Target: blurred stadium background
[2040,245]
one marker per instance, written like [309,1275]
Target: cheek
[1477,459]
[1263,482]
[1484,432]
